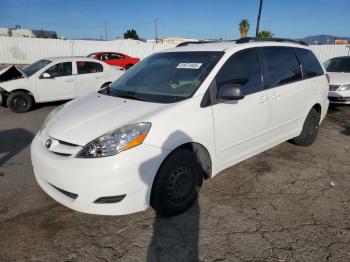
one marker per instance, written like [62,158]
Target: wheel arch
[23,90]
[202,154]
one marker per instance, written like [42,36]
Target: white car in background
[54,79]
[338,69]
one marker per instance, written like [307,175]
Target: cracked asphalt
[287,204]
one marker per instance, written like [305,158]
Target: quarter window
[242,68]
[282,65]
[310,65]
[85,67]
[61,69]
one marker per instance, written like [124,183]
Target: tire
[310,129]
[128,66]
[177,183]
[19,102]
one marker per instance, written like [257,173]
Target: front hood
[339,78]
[11,73]
[89,117]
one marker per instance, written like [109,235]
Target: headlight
[114,142]
[49,116]
[344,88]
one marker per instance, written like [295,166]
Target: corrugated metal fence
[325,52]
[18,50]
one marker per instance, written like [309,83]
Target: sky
[201,19]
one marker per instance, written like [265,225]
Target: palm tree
[265,34]
[258,20]
[244,27]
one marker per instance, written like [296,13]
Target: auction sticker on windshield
[189,65]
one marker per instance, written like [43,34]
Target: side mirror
[46,75]
[230,92]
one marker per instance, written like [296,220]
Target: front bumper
[77,182]
[339,97]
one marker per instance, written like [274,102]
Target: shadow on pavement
[13,141]
[175,238]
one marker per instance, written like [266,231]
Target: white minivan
[53,79]
[178,117]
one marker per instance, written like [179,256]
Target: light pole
[258,20]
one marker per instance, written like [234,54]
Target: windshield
[35,67]
[165,77]
[338,65]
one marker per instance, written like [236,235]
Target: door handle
[263,99]
[98,77]
[69,80]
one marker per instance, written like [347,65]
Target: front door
[241,126]
[59,83]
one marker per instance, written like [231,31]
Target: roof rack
[273,39]
[196,42]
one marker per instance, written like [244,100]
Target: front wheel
[19,102]
[310,129]
[177,183]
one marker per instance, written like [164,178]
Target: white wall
[325,52]
[18,50]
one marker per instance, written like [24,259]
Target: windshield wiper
[130,95]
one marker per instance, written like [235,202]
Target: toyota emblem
[48,143]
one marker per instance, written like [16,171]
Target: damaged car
[53,79]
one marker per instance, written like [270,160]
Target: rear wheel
[177,183]
[310,129]
[128,66]
[19,102]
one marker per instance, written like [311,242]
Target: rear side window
[116,56]
[310,65]
[85,67]
[61,69]
[242,68]
[282,65]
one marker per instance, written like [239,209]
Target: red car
[117,59]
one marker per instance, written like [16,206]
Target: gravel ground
[286,204]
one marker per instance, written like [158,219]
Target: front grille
[338,99]
[68,194]
[61,154]
[333,87]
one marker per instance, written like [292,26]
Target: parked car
[176,118]
[54,79]
[113,58]
[338,69]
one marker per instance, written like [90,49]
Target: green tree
[131,34]
[265,34]
[244,27]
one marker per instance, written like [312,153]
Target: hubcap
[312,127]
[180,183]
[19,102]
